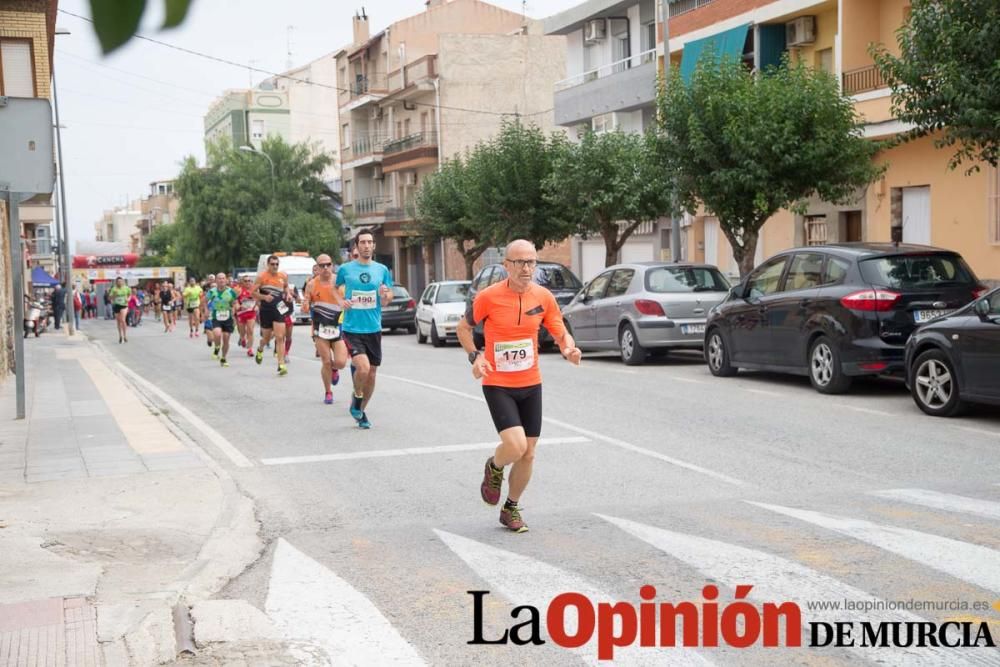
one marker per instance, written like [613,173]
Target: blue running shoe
[363,422]
[356,410]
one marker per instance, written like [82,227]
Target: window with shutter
[15,62]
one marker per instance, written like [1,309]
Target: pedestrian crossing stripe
[943,501]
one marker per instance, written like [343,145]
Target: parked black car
[955,359]
[400,312]
[551,275]
[835,312]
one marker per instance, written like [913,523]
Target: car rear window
[399,292]
[452,293]
[685,279]
[556,276]
[917,271]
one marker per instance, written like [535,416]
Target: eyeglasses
[272,263]
[523,263]
[324,265]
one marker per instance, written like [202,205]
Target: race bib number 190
[515,355]
[363,300]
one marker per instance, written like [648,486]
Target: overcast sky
[131,117]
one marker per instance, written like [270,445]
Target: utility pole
[675,220]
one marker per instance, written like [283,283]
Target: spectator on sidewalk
[107,304]
[93,303]
[58,304]
[77,306]
[133,309]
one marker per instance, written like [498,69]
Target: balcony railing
[677,7]
[362,85]
[418,140]
[404,212]
[607,70]
[862,80]
[370,205]
[422,68]
[366,144]
[40,247]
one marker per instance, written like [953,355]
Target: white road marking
[776,579]
[684,379]
[969,562]
[407,451]
[592,435]
[869,411]
[764,392]
[523,580]
[216,438]
[981,431]
[309,602]
[943,501]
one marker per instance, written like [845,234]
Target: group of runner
[346,310]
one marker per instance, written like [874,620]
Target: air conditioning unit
[800,31]
[378,175]
[595,30]
[376,113]
[410,178]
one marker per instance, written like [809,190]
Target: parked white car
[440,308]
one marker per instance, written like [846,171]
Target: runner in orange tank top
[323,300]
[511,311]
[269,292]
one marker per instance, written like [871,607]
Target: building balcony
[677,7]
[362,90]
[363,150]
[365,207]
[623,85]
[421,69]
[862,80]
[411,151]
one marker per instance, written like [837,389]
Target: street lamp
[251,149]
[66,266]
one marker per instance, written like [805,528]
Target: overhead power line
[279,75]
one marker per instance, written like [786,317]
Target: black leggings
[516,407]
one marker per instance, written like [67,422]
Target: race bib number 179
[515,355]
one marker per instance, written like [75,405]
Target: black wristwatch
[473,356]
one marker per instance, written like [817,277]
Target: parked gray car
[644,308]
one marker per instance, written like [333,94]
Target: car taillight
[979,291]
[647,307]
[411,304]
[872,300]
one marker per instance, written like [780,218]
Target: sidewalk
[109,516]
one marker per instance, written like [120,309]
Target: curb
[233,545]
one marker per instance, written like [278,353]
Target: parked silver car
[644,308]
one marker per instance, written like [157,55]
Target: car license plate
[692,329]
[927,315]
[391,308]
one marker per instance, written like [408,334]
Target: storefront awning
[727,44]
[41,278]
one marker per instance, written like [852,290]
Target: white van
[298,268]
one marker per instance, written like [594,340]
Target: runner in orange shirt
[269,292]
[324,302]
[512,310]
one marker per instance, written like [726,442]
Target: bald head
[519,246]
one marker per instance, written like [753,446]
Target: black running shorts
[117,309]
[269,316]
[225,325]
[516,407]
[369,344]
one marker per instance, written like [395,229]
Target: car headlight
[454,317]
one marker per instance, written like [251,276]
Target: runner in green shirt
[119,304]
[223,299]
[192,303]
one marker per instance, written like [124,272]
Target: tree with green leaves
[947,76]
[116,21]
[442,213]
[231,212]
[609,184]
[161,246]
[746,145]
[505,187]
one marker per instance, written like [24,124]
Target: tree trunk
[470,255]
[470,260]
[614,239]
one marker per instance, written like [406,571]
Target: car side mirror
[737,291]
[426,302]
[982,308]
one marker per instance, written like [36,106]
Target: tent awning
[726,44]
[41,278]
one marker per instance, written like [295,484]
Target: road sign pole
[14,200]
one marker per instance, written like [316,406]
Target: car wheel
[825,372]
[717,356]
[633,353]
[421,338]
[436,340]
[934,385]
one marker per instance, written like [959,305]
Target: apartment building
[118,224]
[158,208]
[610,83]
[918,193]
[246,117]
[27,32]
[312,103]
[422,90]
